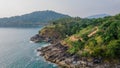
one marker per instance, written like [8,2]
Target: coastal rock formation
[36,38]
[40,38]
[47,34]
[57,53]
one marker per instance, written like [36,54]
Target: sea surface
[16,51]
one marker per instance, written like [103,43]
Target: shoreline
[56,54]
[39,53]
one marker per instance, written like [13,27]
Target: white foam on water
[54,65]
[31,42]
[45,45]
[37,59]
[38,53]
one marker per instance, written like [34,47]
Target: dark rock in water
[36,38]
[41,38]
[38,49]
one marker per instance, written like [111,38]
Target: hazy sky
[80,8]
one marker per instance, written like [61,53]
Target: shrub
[113,49]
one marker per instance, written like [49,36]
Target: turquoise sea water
[16,51]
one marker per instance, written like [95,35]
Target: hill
[97,16]
[32,19]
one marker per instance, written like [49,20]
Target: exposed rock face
[74,38]
[57,53]
[36,38]
[47,35]
[40,38]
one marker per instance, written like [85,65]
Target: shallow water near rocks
[16,51]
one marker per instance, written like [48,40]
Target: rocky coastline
[40,38]
[57,53]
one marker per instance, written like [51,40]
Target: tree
[113,49]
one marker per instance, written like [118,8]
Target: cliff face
[48,34]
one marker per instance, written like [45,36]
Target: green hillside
[33,19]
[88,37]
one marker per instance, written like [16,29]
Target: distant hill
[32,19]
[98,16]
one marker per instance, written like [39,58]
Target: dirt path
[94,32]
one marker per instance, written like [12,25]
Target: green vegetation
[90,37]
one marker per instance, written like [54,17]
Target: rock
[36,38]
[44,38]
[38,49]
[97,60]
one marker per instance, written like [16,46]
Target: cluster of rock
[43,38]
[39,38]
[57,53]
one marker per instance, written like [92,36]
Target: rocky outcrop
[74,38]
[40,38]
[57,53]
[47,34]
